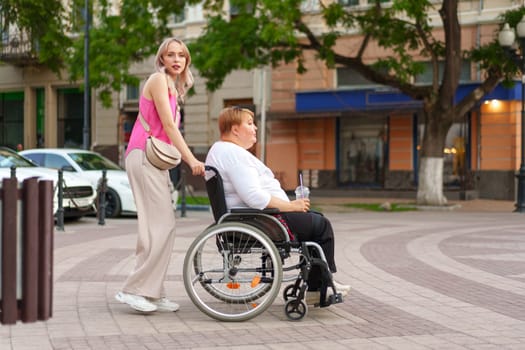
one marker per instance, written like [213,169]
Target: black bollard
[60,210]
[183,192]
[13,172]
[102,189]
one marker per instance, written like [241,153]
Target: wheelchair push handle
[211,168]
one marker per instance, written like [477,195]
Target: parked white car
[89,165]
[78,195]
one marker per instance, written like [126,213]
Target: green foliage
[115,42]
[42,21]
[261,32]
[268,34]
[194,200]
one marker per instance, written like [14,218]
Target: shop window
[70,118]
[40,117]
[455,153]
[12,119]
[362,151]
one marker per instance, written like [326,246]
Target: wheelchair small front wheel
[295,309]
[289,292]
[232,271]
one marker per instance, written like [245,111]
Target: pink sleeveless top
[138,135]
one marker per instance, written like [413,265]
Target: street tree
[270,32]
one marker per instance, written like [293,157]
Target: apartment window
[349,2]
[310,5]
[132,92]
[359,2]
[78,15]
[348,77]
[236,9]
[426,76]
[179,17]
[194,13]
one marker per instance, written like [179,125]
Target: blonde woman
[144,288]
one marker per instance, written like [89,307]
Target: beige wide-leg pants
[156,226]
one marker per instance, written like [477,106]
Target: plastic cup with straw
[301,191]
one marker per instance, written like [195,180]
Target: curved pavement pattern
[421,280]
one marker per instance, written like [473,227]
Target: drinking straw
[301,183]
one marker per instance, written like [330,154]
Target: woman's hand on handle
[197,167]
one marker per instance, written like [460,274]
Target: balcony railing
[17,49]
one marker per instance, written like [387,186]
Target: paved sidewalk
[421,280]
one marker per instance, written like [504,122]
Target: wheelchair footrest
[335,298]
[331,299]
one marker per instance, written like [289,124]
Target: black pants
[314,227]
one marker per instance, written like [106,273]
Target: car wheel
[113,206]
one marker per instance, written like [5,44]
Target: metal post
[506,39]
[60,210]
[520,205]
[263,115]
[183,192]
[102,189]
[85,130]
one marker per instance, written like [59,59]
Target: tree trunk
[430,187]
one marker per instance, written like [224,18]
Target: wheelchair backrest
[215,190]
[261,219]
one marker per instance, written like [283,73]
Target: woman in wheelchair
[249,183]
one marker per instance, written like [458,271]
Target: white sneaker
[137,302]
[341,287]
[164,304]
[343,292]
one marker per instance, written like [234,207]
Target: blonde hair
[184,80]
[231,116]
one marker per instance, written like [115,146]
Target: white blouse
[247,181]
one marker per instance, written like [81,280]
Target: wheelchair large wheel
[232,272]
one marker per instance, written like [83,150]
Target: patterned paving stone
[421,280]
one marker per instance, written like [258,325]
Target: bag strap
[144,123]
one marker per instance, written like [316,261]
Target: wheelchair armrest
[254,211]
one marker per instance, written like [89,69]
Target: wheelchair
[234,269]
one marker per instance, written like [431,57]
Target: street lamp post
[87,101]
[506,39]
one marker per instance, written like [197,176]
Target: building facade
[345,132]
[337,129]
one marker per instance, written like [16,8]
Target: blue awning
[382,99]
